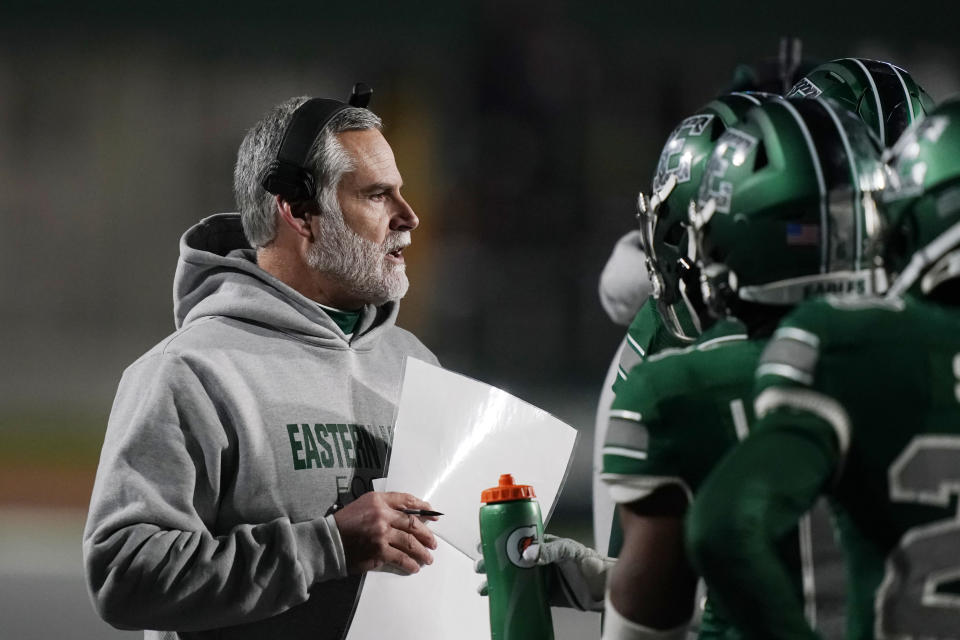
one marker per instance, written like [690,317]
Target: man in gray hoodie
[232,498]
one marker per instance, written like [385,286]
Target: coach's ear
[296,215]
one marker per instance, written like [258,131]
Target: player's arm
[754,497]
[652,587]
[624,284]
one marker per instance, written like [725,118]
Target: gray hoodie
[229,443]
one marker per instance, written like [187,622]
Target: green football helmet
[785,209]
[886,97]
[663,217]
[921,204]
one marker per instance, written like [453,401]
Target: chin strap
[617,627]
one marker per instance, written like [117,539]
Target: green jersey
[678,412]
[859,399]
[648,335]
[674,418]
[884,382]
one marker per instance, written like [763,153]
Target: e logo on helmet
[804,89]
[732,149]
[909,173]
[517,542]
[674,159]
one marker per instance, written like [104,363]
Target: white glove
[575,575]
[624,283]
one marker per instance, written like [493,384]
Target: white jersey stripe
[636,346]
[807,570]
[822,406]
[799,335]
[624,452]
[876,98]
[784,371]
[814,156]
[625,488]
[626,415]
[712,342]
[739,414]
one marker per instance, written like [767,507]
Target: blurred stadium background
[523,131]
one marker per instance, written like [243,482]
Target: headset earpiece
[288,175]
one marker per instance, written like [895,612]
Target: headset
[288,175]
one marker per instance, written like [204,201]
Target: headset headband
[288,176]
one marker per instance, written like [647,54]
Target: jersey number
[909,604]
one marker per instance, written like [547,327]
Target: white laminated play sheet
[454,437]
[441,601]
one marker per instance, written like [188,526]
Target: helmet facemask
[662,244]
[717,283]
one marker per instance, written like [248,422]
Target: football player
[860,400]
[886,97]
[675,181]
[780,217]
[576,575]
[624,284]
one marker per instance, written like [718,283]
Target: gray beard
[357,264]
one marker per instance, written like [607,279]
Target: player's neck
[761,320]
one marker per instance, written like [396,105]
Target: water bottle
[509,523]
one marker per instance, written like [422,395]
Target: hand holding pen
[422,512]
[378,532]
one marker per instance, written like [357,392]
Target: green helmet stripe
[818,170]
[906,92]
[876,97]
[857,204]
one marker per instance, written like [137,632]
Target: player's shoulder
[841,320]
[645,324]
[832,325]
[726,339]
[691,369]
[648,334]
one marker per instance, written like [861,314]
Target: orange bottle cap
[507,490]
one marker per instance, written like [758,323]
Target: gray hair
[328,161]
